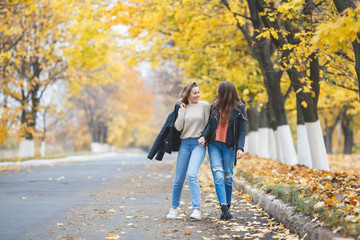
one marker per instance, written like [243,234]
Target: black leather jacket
[235,135]
[168,140]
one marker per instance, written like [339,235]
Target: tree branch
[342,86]
[344,55]
[246,34]
[288,92]
[240,15]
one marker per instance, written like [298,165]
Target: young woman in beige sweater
[192,118]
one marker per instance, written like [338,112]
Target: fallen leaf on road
[187,233]
[225,236]
[108,236]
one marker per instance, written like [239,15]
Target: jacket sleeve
[160,154]
[160,138]
[242,129]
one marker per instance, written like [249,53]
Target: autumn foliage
[58,50]
[333,197]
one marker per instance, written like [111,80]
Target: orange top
[221,131]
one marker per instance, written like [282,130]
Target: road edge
[10,166]
[283,212]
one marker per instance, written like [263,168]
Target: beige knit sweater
[193,119]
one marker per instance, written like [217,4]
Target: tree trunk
[309,103]
[348,140]
[42,148]
[347,124]
[253,135]
[329,129]
[261,51]
[342,5]
[26,148]
[303,148]
[263,134]
[312,124]
[270,116]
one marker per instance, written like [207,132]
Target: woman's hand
[183,105]
[201,141]
[239,154]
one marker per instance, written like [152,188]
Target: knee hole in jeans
[227,175]
[217,169]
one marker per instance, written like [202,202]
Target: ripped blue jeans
[222,161]
[189,160]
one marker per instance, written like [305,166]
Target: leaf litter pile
[331,197]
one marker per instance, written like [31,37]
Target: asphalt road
[33,198]
[120,197]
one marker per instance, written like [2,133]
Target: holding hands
[201,141]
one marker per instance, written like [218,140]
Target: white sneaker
[172,213]
[196,214]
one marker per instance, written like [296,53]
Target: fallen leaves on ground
[10,168]
[108,236]
[337,194]
[345,163]
[251,221]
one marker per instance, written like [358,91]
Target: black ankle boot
[225,213]
[229,204]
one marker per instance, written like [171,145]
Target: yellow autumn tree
[44,42]
[214,40]
[200,38]
[133,123]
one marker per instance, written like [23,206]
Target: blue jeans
[189,160]
[222,161]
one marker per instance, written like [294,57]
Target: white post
[317,146]
[303,148]
[263,143]
[246,145]
[253,143]
[287,145]
[26,148]
[95,147]
[42,148]
[272,144]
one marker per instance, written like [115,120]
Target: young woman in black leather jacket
[225,135]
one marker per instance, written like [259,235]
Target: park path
[133,206]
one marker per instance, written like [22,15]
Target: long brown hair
[228,99]
[185,92]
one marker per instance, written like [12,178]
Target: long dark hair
[185,92]
[228,100]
